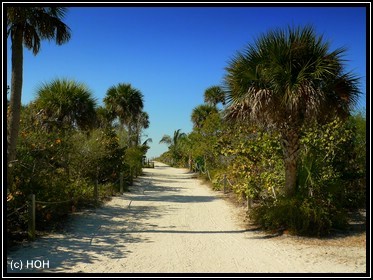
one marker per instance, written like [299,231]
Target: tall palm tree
[214,95]
[27,26]
[287,79]
[126,103]
[66,104]
[200,114]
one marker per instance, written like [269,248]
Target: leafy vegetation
[67,146]
[68,150]
[174,155]
[287,79]
[286,139]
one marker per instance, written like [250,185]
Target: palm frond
[288,74]
[166,139]
[38,23]
[68,102]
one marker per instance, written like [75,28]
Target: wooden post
[96,192]
[96,189]
[31,222]
[225,183]
[125,185]
[248,199]
[121,182]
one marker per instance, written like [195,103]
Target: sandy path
[170,222]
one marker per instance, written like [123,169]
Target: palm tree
[27,26]
[214,95]
[287,79]
[200,114]
[145,145]
[174,143]
[126,103]
[66,104]
[166,139]
[148,140]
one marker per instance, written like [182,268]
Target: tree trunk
[290,176]
[290,142]
[15,100]
[190,163]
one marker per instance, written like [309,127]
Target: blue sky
[172,54]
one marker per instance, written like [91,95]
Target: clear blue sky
[172,54]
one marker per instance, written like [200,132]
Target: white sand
[171,222]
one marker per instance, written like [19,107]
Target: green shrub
[60,165]
[255,162]
[308,217]
[96,156]
[332,163]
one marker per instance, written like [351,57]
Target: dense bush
[329,183]
[301,216]
[330,164]
[66,159]
[40,169]
[250,158]
[97,156]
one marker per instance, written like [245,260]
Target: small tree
[286,79]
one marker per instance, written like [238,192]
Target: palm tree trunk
[290,142]
[131,134]
[15,100]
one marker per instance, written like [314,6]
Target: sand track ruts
[171,222]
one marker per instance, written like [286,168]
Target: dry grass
[352,240]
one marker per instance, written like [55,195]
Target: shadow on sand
[105,231]
[86,237]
